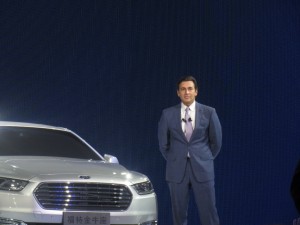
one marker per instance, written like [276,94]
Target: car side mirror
[111,158]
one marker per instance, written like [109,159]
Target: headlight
[143,188]
[8,184]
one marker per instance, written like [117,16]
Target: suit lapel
[198,111]
[178,120]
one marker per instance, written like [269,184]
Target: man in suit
[190,137]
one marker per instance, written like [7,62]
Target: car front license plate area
[86,218]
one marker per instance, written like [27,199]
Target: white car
[49,175]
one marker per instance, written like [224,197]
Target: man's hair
[187,78]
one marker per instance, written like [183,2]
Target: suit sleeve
[215,134]
[163,136]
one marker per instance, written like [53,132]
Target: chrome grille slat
[75,205]
[78,201]
[82,196]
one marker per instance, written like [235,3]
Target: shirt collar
[192,106]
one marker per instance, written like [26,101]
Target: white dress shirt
[192,113]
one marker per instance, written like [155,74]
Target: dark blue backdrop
[98,67]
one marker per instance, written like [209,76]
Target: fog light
[6,221]
[153,222]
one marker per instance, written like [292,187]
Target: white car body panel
[23,205]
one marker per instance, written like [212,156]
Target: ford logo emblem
[84,177]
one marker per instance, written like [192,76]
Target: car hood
[65,169]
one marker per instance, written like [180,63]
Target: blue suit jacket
[203,147]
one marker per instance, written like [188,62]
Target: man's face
[187,92]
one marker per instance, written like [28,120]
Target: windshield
[26,141]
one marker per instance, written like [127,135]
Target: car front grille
[62,224]
[83,196]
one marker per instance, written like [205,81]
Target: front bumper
[21,208]
[6,221]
